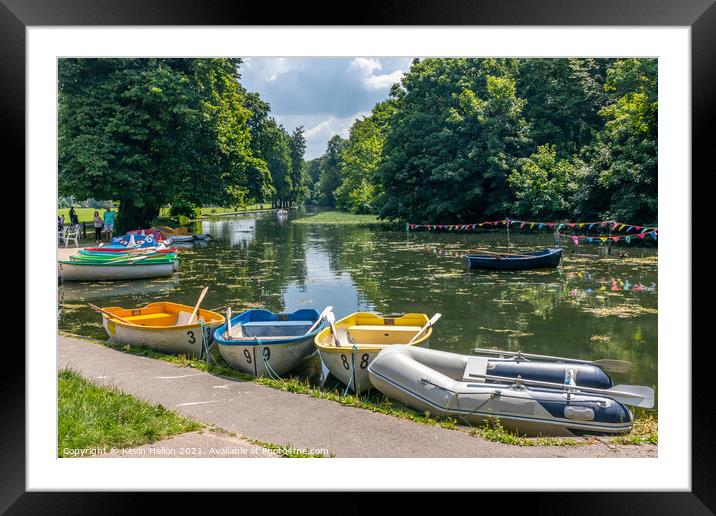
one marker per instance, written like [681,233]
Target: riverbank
[263,414]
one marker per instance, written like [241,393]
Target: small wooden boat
[360,337]
[263,343]
[103,251]
[163,326]
[88,270]
[464,387]
[547,258]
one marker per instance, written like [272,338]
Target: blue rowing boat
[263,343]
[545,259]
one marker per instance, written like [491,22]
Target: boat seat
[153,319]
[475,365]
[276,328]
[382,333]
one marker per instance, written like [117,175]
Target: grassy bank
[645,423]
[87,214]
[341,218]
[94,417]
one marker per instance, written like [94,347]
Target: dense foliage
[461,140]
[181,132]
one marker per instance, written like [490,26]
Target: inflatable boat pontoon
[464,387]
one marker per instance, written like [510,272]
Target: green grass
[87,214]
[209,211]
[83,214]
[645,424]
[492,430]
[644,431]
[341,217]
[94,417]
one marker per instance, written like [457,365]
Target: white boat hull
[92,272]
[186,340]
[351,366]
[267,359]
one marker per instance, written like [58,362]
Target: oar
[110,314]
[636,395]
[196,308]
[607,364]
[320,318]
[228,323]
[331,319]
[428,325]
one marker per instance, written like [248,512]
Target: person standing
[98,223]
[73,216]
[109,223]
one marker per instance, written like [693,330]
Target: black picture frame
[700,15]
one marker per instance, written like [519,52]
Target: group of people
[105,222]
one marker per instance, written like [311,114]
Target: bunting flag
[609,225]
[615,238]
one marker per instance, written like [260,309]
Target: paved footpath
[261,413]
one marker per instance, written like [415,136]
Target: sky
[324,95]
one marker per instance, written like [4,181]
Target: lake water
[586,309]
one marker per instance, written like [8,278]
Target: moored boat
[461,386]
[360,337]
[546,258]
[262,343]
[116,252]
[88,270]
[163,326]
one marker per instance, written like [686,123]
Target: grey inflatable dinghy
[461,386]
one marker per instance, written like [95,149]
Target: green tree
[455,136]
[152,132]
[330,178]
[276,150]
[297,146]
[360,158]
[543,185]
[313,173]
[562,101]
[623,182]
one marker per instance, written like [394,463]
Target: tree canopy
[461,140]
[155,132]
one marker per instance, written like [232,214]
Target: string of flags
[614,238]
[604,225]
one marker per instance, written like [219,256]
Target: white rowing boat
[78,271]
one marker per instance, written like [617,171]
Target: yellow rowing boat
[163,326]
[358,340]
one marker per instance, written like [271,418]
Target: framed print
[422,242]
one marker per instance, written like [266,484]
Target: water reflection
[588,307]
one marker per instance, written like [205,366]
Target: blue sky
[325,95]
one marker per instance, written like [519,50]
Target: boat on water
[162,326]
[124,268]
[103,251]
[544,259]
[465,387]
[263,343]
[358,339]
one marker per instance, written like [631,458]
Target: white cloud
[365,69]
[377,82]
[317,135]
[365,65]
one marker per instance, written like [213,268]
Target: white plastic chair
[72,233]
